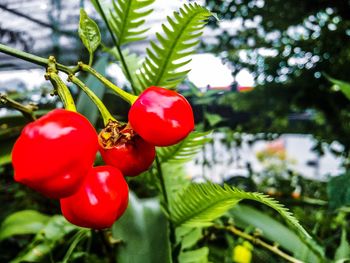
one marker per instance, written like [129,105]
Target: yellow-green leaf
[89,33]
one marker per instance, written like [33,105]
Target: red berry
[100,201]
[54,153]
[161,117]
[120,147]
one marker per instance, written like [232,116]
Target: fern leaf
[179,38]
[126,18]
[132,60]
[184,150]
[199,204]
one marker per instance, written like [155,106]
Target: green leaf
[338,191]
[143,232]
[342,85]
[344,260]
[213,118]
[78,237]
[165,59]
[185,150]
[192,238]
[189,237]
[84,105]
[35,254]
[199,204]
[343,251]
[22,223]
[195,256]
[127,19]
[245,216]
[89,33]
[46,240]
[175,178]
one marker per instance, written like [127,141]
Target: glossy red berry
[120,147]
[54,153]
[161,117]
[132,157]
[100,201]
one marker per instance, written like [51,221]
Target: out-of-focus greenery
[288,48]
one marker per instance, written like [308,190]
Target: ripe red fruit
[54,153]
[161,117]
[100,201]
[120,147]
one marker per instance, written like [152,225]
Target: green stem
[91,58]
[63,91]
[26,110]
[162,185]
[60,87]
[34,59]
[78,237]
[117,46]
[121,93]
[172,236]
[106,115]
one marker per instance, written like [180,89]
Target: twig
[26,110]
[274,249]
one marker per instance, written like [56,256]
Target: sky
[209,70]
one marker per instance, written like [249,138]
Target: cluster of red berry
[54,155]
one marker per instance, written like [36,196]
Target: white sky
[206,69]
[209,70]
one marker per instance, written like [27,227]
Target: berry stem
[120,92]
[26,110]
[60,87]
[106,115]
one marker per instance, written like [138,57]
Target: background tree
[288,47]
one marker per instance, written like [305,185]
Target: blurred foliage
[287,47]
[299,57]
[142,228]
